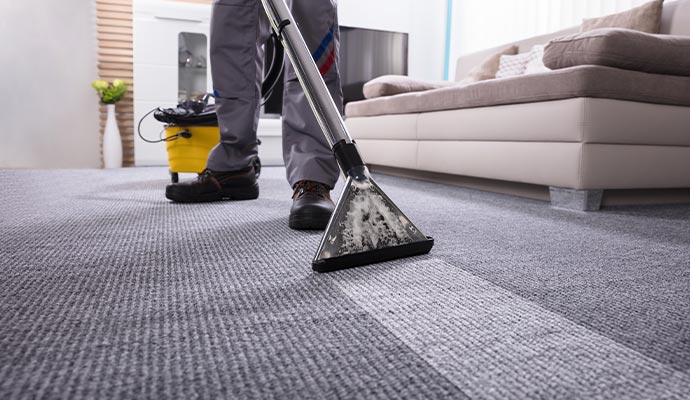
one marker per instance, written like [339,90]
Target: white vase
[112,142]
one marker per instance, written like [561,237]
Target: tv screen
[364,55]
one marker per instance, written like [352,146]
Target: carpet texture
[107,290]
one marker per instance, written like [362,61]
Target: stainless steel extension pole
[307,72]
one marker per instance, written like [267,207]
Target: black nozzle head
[348,156]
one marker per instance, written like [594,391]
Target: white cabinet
[157,25]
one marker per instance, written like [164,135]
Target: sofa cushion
[389,85]
[535,65]
[584,119]
[385,127]
[621,48]
[645,18]
[581,81]
[513,65]
[488,68]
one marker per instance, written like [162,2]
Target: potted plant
[111,93]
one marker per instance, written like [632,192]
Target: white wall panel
[49,111]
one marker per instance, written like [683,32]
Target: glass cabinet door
[192,65]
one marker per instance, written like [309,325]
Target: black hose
[275,71]
[184,133]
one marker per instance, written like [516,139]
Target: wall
[49,111]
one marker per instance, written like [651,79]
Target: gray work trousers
[239,28]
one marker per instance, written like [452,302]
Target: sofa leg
[578,200]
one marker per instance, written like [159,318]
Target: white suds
[370,224]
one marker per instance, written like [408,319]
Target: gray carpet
[107,290]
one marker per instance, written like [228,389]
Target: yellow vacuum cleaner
[188,147]
[190,132]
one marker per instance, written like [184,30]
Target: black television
[364,55]
[368,53]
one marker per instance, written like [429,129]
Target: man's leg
[239,28]
[306,152]
[311,167]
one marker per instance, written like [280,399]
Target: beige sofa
[597,138]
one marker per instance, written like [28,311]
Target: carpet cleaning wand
[366,227]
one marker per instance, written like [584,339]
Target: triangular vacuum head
[366,228]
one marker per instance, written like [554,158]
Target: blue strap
[324,45]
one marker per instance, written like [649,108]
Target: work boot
[311,207]
[216,186]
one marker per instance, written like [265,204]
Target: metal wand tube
[315,89]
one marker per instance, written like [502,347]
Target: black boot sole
[309,220]
[235,194]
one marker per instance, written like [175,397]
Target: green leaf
[110,93]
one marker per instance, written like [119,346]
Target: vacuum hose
[275,71]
